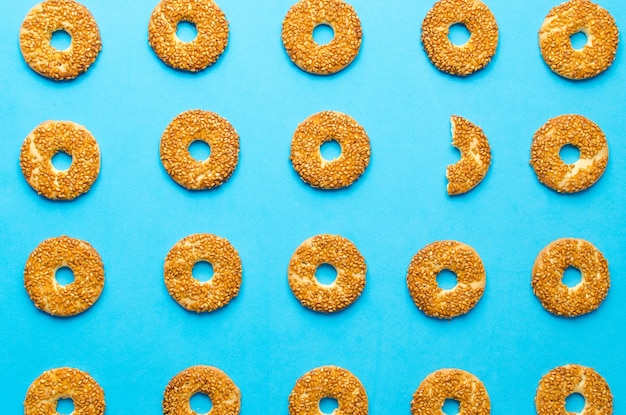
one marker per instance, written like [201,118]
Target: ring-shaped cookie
[446,255]
[64,300]
[64,383]
[547,276]
[574,130]
[205,126]
[328,382]
[572,17]
[36,32]
[455,384]
[318,129]
[475,160]
[472,56]
[214,383]
[297,34]
[334,250]
[50,138]
[208,295]
[560,382]
[209,43]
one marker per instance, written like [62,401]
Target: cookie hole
[569,153]
[200,403]
[451,407]
[571,277]
[64,276]
[446,279]
[575,403]
[323,34]
[330,150]
[458,34]
[578,40]
[60,40]
[326,274]
[186,31]
[202,271]
[65,406]
[62,161]
[199,150]
[328,405]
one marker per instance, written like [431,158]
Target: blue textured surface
[136,337]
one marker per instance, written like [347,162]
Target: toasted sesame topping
[328,382]
[472,142]
[572,17]
[576,130]
[302,49]
[429,262]
[64,383]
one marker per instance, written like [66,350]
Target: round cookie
[209,295]
[343,256]
[209,43]
[297,34]
[547,275]
[214,383]
[50,138]
[572,17]
[476,53]
[429,262]
[475,160]
[318,129]
[64,300]
[36,32]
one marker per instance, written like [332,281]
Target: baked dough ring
[302,49]
[44,290]
[570,18]
[473,166]
[214,383]
[455,384]
[214,130]
[322,127]
[560,382]
[429,262]
[36,32]
[328,382]
[63,383]
[343,256]
[208,295]
[479,49]
[576,130]
[50,138]
[204,50]
[548,269]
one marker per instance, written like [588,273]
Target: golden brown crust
[307,159]
[455,384]
[341,254]
[214,383]
[328,382]
[214,130]
[570,18]
[208,295]
[429,262]
[548,269]
[473,166]
[64,383]
[36,32]
[204,50]
[43,143]
[578,131]
[44,290]
[479,49]
[560,382]
[302,49]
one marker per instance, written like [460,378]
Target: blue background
[136,338]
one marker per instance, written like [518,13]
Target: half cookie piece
[475,160]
